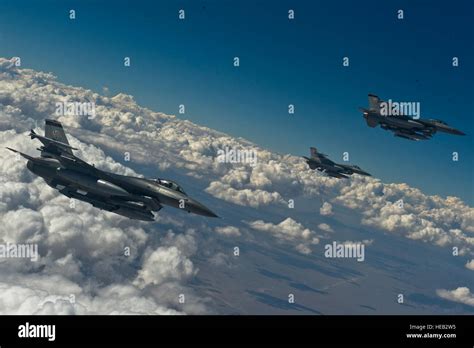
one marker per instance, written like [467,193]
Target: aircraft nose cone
[200,209]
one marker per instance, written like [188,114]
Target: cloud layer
[114,265]
[461,295]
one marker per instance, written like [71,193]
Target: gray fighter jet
[404,126]
[320,162]
[133,197]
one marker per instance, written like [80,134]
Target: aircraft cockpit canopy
[170,184]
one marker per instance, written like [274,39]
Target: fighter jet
[404,126]
[132,197]
[320,162]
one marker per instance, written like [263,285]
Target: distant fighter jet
[320,162]
[129,196]
[404,126]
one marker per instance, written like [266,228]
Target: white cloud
[326,209]
[461,295]
[443,222]
[289,230]
[228,231]
[253,198]
[164,264]
[470,265]
[54,294]
[365,242]
[325,227]
[303,249]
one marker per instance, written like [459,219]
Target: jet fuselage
[133,197]
[320,162]
[404,126]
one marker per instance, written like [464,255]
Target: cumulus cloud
[164,264]
[461,295]
[245,197]
[67,299]
[82,249]
[325,227]
[303,249]
[470,265]
[398,208]
[326,209]
[289,230]
[228,231]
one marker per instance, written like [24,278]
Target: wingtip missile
[21,153]
[47,141]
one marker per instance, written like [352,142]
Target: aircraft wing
[411,135]
[73,162]
[132,209]
[336,175]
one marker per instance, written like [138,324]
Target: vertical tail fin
[54,130]
[314,152]
[374,103]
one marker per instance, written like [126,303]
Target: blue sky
[282,62]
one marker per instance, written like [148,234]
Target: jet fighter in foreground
[133,197]
[320,162]
[404,126]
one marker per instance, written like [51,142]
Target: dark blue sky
[300,62]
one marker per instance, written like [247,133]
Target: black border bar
[285,330]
